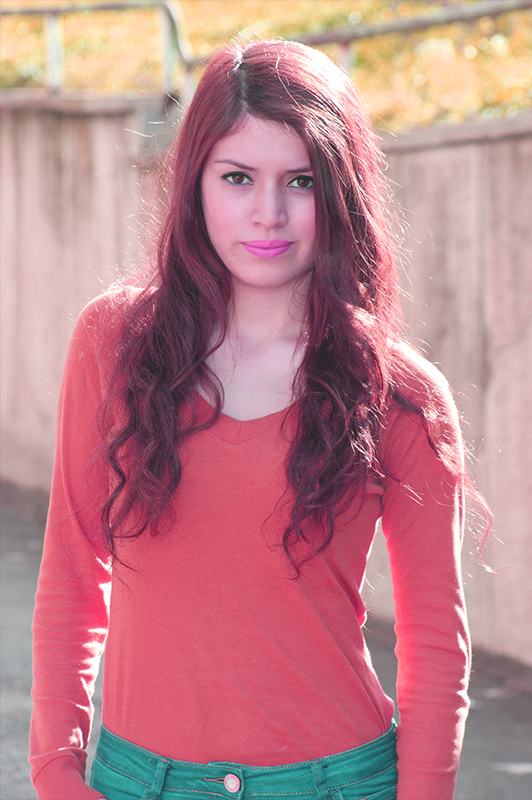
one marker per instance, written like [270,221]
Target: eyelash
[229,177]
[303,178]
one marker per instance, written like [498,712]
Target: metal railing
[442,16]
[176,46]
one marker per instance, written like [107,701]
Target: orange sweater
[213,653]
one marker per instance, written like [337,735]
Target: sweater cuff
[61,779]
[414,784]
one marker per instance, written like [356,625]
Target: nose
[269,210]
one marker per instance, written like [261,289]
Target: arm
[71,614]
[423,524]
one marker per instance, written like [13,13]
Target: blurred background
[480,69]
[91,95]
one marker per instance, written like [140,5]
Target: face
[258,202]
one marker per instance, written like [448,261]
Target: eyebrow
[230,161]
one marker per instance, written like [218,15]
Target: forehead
[262,140]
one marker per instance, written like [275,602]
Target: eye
[302,182]
[237,178]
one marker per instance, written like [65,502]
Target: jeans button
[232,783]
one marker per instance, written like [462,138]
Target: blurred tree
[448,73]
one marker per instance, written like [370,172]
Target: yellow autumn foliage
[447,73]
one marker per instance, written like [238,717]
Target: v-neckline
[237,431]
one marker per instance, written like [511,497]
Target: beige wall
[67,188]
[468,191]
[70,189]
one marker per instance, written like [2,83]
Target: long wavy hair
[344,381]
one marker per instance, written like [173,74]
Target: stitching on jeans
[196,791]
[311,792]
[163,764]
[319,787]
[154,783]
[281,794]
[217,765]
[120,771]
[361,780]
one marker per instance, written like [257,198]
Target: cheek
[221,215]
[212,207]
[308,226]
[215,219]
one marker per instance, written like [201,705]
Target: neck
[267,314]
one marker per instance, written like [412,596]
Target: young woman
[228,439]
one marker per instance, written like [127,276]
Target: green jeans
[123,771]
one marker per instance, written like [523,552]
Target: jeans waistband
[229,779]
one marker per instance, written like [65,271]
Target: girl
[228,439]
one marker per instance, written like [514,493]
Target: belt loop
[320,781]
[154,792]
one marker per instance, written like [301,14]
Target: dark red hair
[344,381]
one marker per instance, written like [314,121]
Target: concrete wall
[69,192]
[468,191]
[71,187]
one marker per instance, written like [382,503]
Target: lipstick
[267,248]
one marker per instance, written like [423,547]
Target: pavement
[497,756]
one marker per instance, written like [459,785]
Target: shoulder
[96,339]
[108,311]
[419,381]
[101,323]
[421,411]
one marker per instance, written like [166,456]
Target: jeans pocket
[353,794]
[115,785]
[381,786]
[384,794]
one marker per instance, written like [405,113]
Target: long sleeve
[423,524]
[71,614]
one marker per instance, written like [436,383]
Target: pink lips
[267,248]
